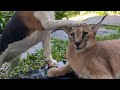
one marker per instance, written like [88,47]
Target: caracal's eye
[72,35]
[84,34]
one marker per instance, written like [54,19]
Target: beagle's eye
[72,35]
[84,34]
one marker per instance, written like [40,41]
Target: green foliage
[110,37]
[60,14]
[114,12]
[101,13]
[37,60]
[69,14]
[33,61]
[112,27]
[59,48]
[66,14]
[4,18]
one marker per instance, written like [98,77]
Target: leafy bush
[66,14]
[101,13]
[4,17]
[37,60]
[112,27]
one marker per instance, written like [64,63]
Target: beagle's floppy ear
[97,26]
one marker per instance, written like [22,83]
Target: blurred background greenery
[6,15]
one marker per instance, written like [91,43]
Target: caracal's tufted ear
[68,30]
[97,26]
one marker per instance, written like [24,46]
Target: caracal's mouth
[78,48]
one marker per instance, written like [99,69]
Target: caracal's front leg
[61,71]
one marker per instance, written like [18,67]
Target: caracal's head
[83,37]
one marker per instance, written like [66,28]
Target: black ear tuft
[67,30]
[97,26]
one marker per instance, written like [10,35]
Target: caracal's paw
[53,72]
[52,63]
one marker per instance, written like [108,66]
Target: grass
[33,61]
[110,37]
[37,60]
[59,48]
[112,27]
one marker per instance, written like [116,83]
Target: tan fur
[55,72]
[100,61]
[94,60]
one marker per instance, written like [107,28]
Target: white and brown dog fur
[24,30]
